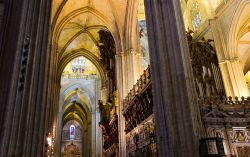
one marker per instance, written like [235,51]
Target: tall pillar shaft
[171,79]
[120,59]
[23,87]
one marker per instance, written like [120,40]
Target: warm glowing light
[49,140]
[247,77]
[80,68]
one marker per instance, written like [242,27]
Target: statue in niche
[104,111]
[141,33]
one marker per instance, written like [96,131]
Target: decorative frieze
[24,63]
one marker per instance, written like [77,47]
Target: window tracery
[72,131]
[196,16]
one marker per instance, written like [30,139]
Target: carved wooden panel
[71,150]
[207,75]
[243,151]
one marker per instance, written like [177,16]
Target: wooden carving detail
[104,111]
[108,51]
[109,118]
[71,150]
[205,67]
[112,136]
[138,105]
[139,121]
[243,151]
[142,140]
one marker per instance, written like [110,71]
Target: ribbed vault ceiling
[75,23]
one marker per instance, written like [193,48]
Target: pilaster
[233,77]
[137,65]
[231,70]
[120,59]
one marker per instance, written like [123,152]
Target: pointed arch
[77,53]
[234,30]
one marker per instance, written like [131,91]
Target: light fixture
[49,140]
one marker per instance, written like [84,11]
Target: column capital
[123,53]
[132,51]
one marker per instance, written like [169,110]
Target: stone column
[233,77]
[93,131]
[23,87]
[120,87]
[59,129]
[59,136]
[131,69]
[231,70]
[126,64]
[98,131]
[171,79]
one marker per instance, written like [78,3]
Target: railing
[139,118]
[220,110]
[140,85]
[79,76]
[138,105]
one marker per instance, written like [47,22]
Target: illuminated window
[196,21]
[78,65]
[72,131]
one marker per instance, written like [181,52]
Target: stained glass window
[78,65]
[72,131]
[197,20]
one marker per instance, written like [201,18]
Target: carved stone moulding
[230,122]
[113,150]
